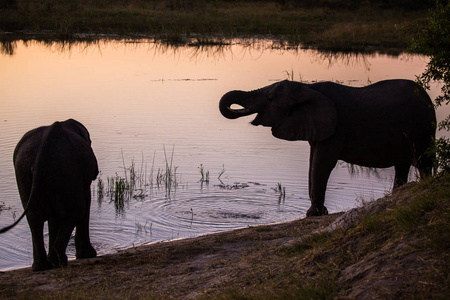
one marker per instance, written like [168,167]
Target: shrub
[433,40]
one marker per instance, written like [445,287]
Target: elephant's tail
[7,228]
[55,127]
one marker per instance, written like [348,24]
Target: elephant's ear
[312,117]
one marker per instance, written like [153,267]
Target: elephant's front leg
[321,162]
[59,238]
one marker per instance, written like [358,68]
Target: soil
[303,258]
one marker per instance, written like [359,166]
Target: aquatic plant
[281,190]
[204,174]
[221,173]
[100,189]
[121,193]
[3,206]
[167,177]
[143,228]
[136,183]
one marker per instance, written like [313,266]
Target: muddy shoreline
[186,268]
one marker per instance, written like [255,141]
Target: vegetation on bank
[433,40]
[369,253]
[335,25]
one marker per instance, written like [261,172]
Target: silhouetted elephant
[389,123]
[55,166]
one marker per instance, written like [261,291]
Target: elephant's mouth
[256,121]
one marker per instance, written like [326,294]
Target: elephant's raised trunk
[234,97]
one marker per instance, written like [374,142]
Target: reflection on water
[152,112]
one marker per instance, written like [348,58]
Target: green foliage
[443,153]
[433,40]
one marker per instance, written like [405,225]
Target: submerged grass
[204,174]
[332,27]
[281,190]
[136,183]
[4,207]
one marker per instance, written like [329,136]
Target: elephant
[54,168]
[388,123]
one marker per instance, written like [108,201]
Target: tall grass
[167,177]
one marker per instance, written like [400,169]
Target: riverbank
[394,247]
[331,27]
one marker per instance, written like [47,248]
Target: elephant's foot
[315,211]
[41,266]
[57,261]
[87,252]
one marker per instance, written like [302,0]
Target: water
[148,104]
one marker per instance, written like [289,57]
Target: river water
[154,108]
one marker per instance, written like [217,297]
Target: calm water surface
[146,105]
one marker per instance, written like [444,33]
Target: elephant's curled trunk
[234,97]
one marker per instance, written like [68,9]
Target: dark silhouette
[389,123]
[55,166]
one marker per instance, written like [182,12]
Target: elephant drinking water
[55,166]
[389,123]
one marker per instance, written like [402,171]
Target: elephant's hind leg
[40,262]
[401,175]
[57,249]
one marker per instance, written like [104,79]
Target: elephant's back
[27,148]
[388,119]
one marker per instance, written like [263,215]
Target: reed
[100,188]
[281,190]
[221,173]
[204,174]
[135,183]
[167,177]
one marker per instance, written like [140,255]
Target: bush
[433,40]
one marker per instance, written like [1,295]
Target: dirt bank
[370,252]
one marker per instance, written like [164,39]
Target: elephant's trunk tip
[230,98]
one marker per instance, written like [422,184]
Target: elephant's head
[295,111]
[78,128]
